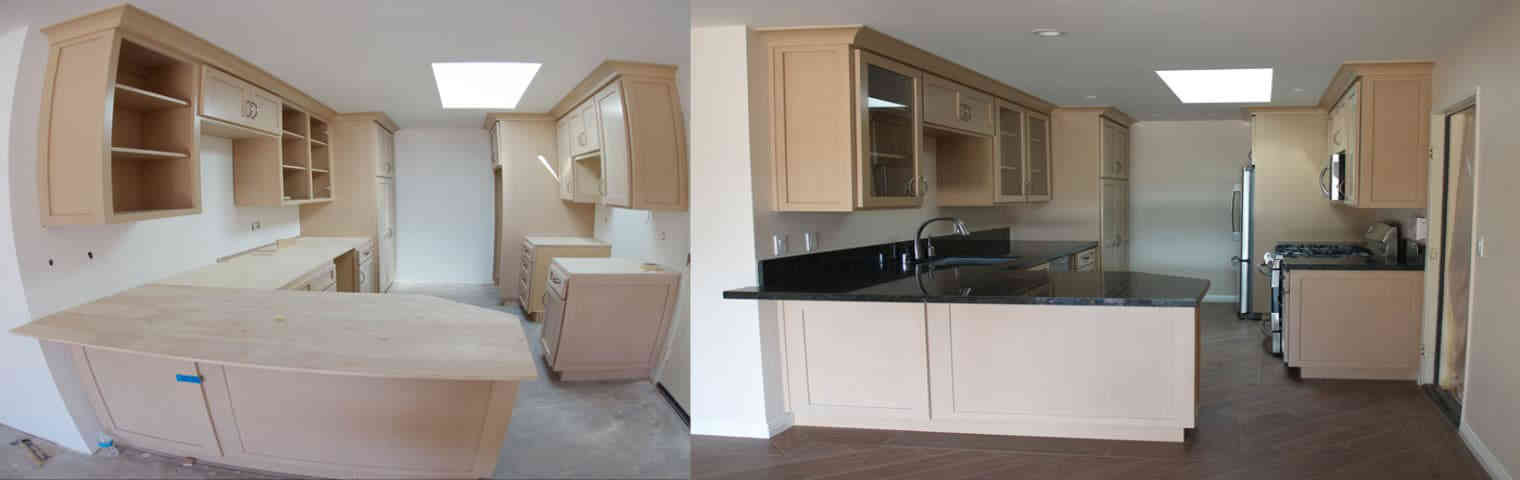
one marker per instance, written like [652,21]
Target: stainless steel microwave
[1332,180]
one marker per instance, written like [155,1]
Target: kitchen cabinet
[849,109]
[834,370]
[293,168]
[954,106]
[1115,150]
[363,163]
[1380,118]
[155,402]
[1115,213]
[1354,324]
[606,318]
[627,140]
[230,99]
[1081,204]
[1086,260]
[538,252]
[1037,157]
[1012,166]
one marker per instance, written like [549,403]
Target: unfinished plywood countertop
[289,261]
[395,336]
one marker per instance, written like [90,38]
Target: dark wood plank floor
[1256,422]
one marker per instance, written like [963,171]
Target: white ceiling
[1113,47]
[371,55]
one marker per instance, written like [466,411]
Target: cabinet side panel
[74,131]
[810,114]
[657,145]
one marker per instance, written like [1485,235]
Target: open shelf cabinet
[277,170]
[119,141]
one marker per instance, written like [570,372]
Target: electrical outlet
[778,244]
[1482,247]
[809,241]
[660,235]
[257,225]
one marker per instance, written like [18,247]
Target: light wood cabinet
[626,139]
[951,105]
[1115,213]
[606,318]
[833,369]
[292,168]
[155,402]
[1354,324]
[1037,174]
[1380,117]
[363,148]
[538,252]
[848,110]
[235,101]
[1115,150]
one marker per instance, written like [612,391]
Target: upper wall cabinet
[1114,151]
[126,98]
[849,110]
[1010,167]
[1380,122]
[622,139]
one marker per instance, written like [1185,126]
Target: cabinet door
[616,166]
[385,166]
[1011,147]
[1037,159]
[264,109]
[554,323]
[889,133]
[940,102]
[387,234]
[1355,324]
[834,368]
[562,146]
[1115,146]
[149,402]
[593,127]
[222,97]
[1115,225]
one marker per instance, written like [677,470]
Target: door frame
[1435,272]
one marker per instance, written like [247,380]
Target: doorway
[496,205]
[1454,287]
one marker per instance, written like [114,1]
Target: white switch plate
[1482,247]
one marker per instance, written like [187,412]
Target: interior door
[615,161]
[1456,271]
[889,133]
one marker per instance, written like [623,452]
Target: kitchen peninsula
[230,365]
[970,344]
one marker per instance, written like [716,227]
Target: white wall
[1179,194]
[1484,64]
[125,256]
[444,217]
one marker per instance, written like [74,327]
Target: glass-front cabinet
[891,123]
[1010,153]
[1037,169]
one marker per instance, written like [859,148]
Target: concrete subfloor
[618,429]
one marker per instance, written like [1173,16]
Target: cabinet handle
[912,186]
[253,110]
[965,112]
[923,181]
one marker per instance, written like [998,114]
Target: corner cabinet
[1380,120]
[850,110]
[622,139]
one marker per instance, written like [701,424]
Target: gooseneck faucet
[918,254]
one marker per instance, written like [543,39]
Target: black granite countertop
[877,274]
[1350,263]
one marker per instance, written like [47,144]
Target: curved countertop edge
[228,326]
[751,293]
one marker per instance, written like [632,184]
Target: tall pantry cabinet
[364,154]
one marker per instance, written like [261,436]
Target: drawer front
[976,110]
[558,280]
[222,96]
[1086,257]
[264,110]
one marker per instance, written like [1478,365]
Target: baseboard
[1485,456]
[782,422]
[1221,298]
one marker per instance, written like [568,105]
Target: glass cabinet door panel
[891,130]
[1039,156]
[1010,153]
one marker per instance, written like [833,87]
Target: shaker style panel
[890,132]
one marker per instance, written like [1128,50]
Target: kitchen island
[994,348]
[309,383]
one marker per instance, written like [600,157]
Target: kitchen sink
[961,261]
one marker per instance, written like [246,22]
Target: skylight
[873,102]
[1243,85]
[483,85]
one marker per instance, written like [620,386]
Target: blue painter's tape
[188,378]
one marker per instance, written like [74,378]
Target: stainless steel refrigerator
[1242,204]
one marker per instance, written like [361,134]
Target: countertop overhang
[373,335]
[999,285]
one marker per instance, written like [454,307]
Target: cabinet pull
[912,186]
[253,110]
[965,113]
[180,377]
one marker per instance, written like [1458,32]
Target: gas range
[1320,250]
[1379,246]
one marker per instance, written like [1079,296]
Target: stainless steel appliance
[1242,223]
[1332,179]
[1381,241]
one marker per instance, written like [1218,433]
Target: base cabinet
[299,422]
[1354,324]
[1121,373]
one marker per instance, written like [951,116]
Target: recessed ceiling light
[1092,97]
[1241,85]
[483,85]
[1047,32]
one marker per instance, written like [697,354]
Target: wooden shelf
[293,167]
[289,135]
[318,170]
[318,142]
[125,152]
[138,99]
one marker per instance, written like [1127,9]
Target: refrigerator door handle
[1234,211]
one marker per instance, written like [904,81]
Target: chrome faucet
[918,254]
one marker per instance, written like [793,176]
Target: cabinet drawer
[230,99]
[1086,257]
[949,104]
[558,280]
